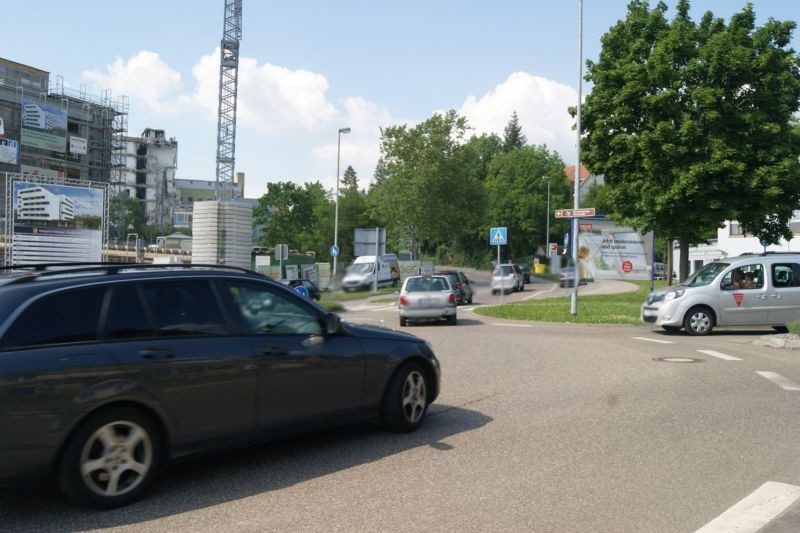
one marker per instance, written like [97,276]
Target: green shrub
[794,327]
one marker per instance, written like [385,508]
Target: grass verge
[620,308]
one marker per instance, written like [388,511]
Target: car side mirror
[333,324]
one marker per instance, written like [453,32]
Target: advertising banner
[77,145]
[9,151]
[56,223]
[2,127]
[44,126]
[607,251]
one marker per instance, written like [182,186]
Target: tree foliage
[690,123]
[126,215]
[288,213]
[513,137]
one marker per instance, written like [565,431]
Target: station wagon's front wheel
[111,458]
[405,401]
[699,321]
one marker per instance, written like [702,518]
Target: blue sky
[308,68]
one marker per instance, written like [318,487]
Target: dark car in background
[461,285]
[108,371]
[311,287]
[526,272]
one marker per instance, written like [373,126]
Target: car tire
[494,292]
[780,329]
[470,300]
[405,401]
[95,474]
[403,321]
[699,321]
[671,329]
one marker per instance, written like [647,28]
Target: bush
[794,327]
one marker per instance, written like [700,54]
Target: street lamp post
[547,230]
[336,216]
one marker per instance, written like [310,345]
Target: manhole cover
[677,360]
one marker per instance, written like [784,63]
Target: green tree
[513,137]
[430,191]
[690,123]
[517,197]
[125,215]
[349,179]
[288,213]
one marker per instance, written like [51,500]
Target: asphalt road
[539,427]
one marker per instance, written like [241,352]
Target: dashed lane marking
[719,355]
[659,341]
[511,325]
[780,381]
[756,510]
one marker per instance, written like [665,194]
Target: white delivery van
[749,290]
[361,274]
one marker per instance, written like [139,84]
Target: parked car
[108,371]
[749,290]
[461,285]
[526,272]
[310,286]
[506,278]
[427,298]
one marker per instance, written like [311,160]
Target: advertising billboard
[9,151]
[607,251]
[56,223]
[77,145]
[44,126]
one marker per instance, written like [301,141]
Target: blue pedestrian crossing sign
[498,236]
[302,291]
[334,250]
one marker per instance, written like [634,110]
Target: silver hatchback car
[749,290]
[427,298]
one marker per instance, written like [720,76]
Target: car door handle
[272,349]
[155,353]
[777,296]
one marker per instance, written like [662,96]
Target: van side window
[785,275]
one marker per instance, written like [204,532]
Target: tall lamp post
[547,231]
[336,216]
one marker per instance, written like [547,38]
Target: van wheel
[699,321]
[111,458]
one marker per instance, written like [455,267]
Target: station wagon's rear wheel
[111,458]
[403,321]
[405,401]
[699,321]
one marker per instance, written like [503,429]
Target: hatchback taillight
[458,284]
[403,300]
[451,298]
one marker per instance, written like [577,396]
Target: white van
[361,274]
[749,290]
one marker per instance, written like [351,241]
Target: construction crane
[228,83]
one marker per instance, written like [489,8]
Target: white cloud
[541,105]
[144,77]
[270,99]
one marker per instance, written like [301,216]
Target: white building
[37,203]
[151,162]
[731,242]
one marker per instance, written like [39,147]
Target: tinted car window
[184,308]
[69,316]
[126,317]
[786,275]
[265,310]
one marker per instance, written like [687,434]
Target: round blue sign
[302,291]
[334,251]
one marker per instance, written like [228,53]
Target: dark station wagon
[108,371]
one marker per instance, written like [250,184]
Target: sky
[310,67]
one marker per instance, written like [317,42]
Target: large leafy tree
[126,214]
[517,193]
[513,136]
[429,191]
[690,123]
[349,179]
[288,212]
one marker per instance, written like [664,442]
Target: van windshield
[705,275]
[361,268]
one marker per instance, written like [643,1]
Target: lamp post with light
[336,215]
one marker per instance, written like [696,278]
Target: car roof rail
[38,270]
[767,253]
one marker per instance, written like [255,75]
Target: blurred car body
[461,285]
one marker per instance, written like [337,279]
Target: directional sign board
[498,236]
[574,213]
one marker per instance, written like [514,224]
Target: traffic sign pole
[500,271]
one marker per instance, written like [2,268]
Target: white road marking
[512,325]
[384,308]
[756,510]
[723,356]
[653,340]
[777,379]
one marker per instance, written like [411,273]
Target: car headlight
[674,294]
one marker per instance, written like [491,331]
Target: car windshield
[427,284]
[504,270]
[361,268]
[705,275]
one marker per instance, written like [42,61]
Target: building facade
[151,161]
[189,191]
[37,203]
